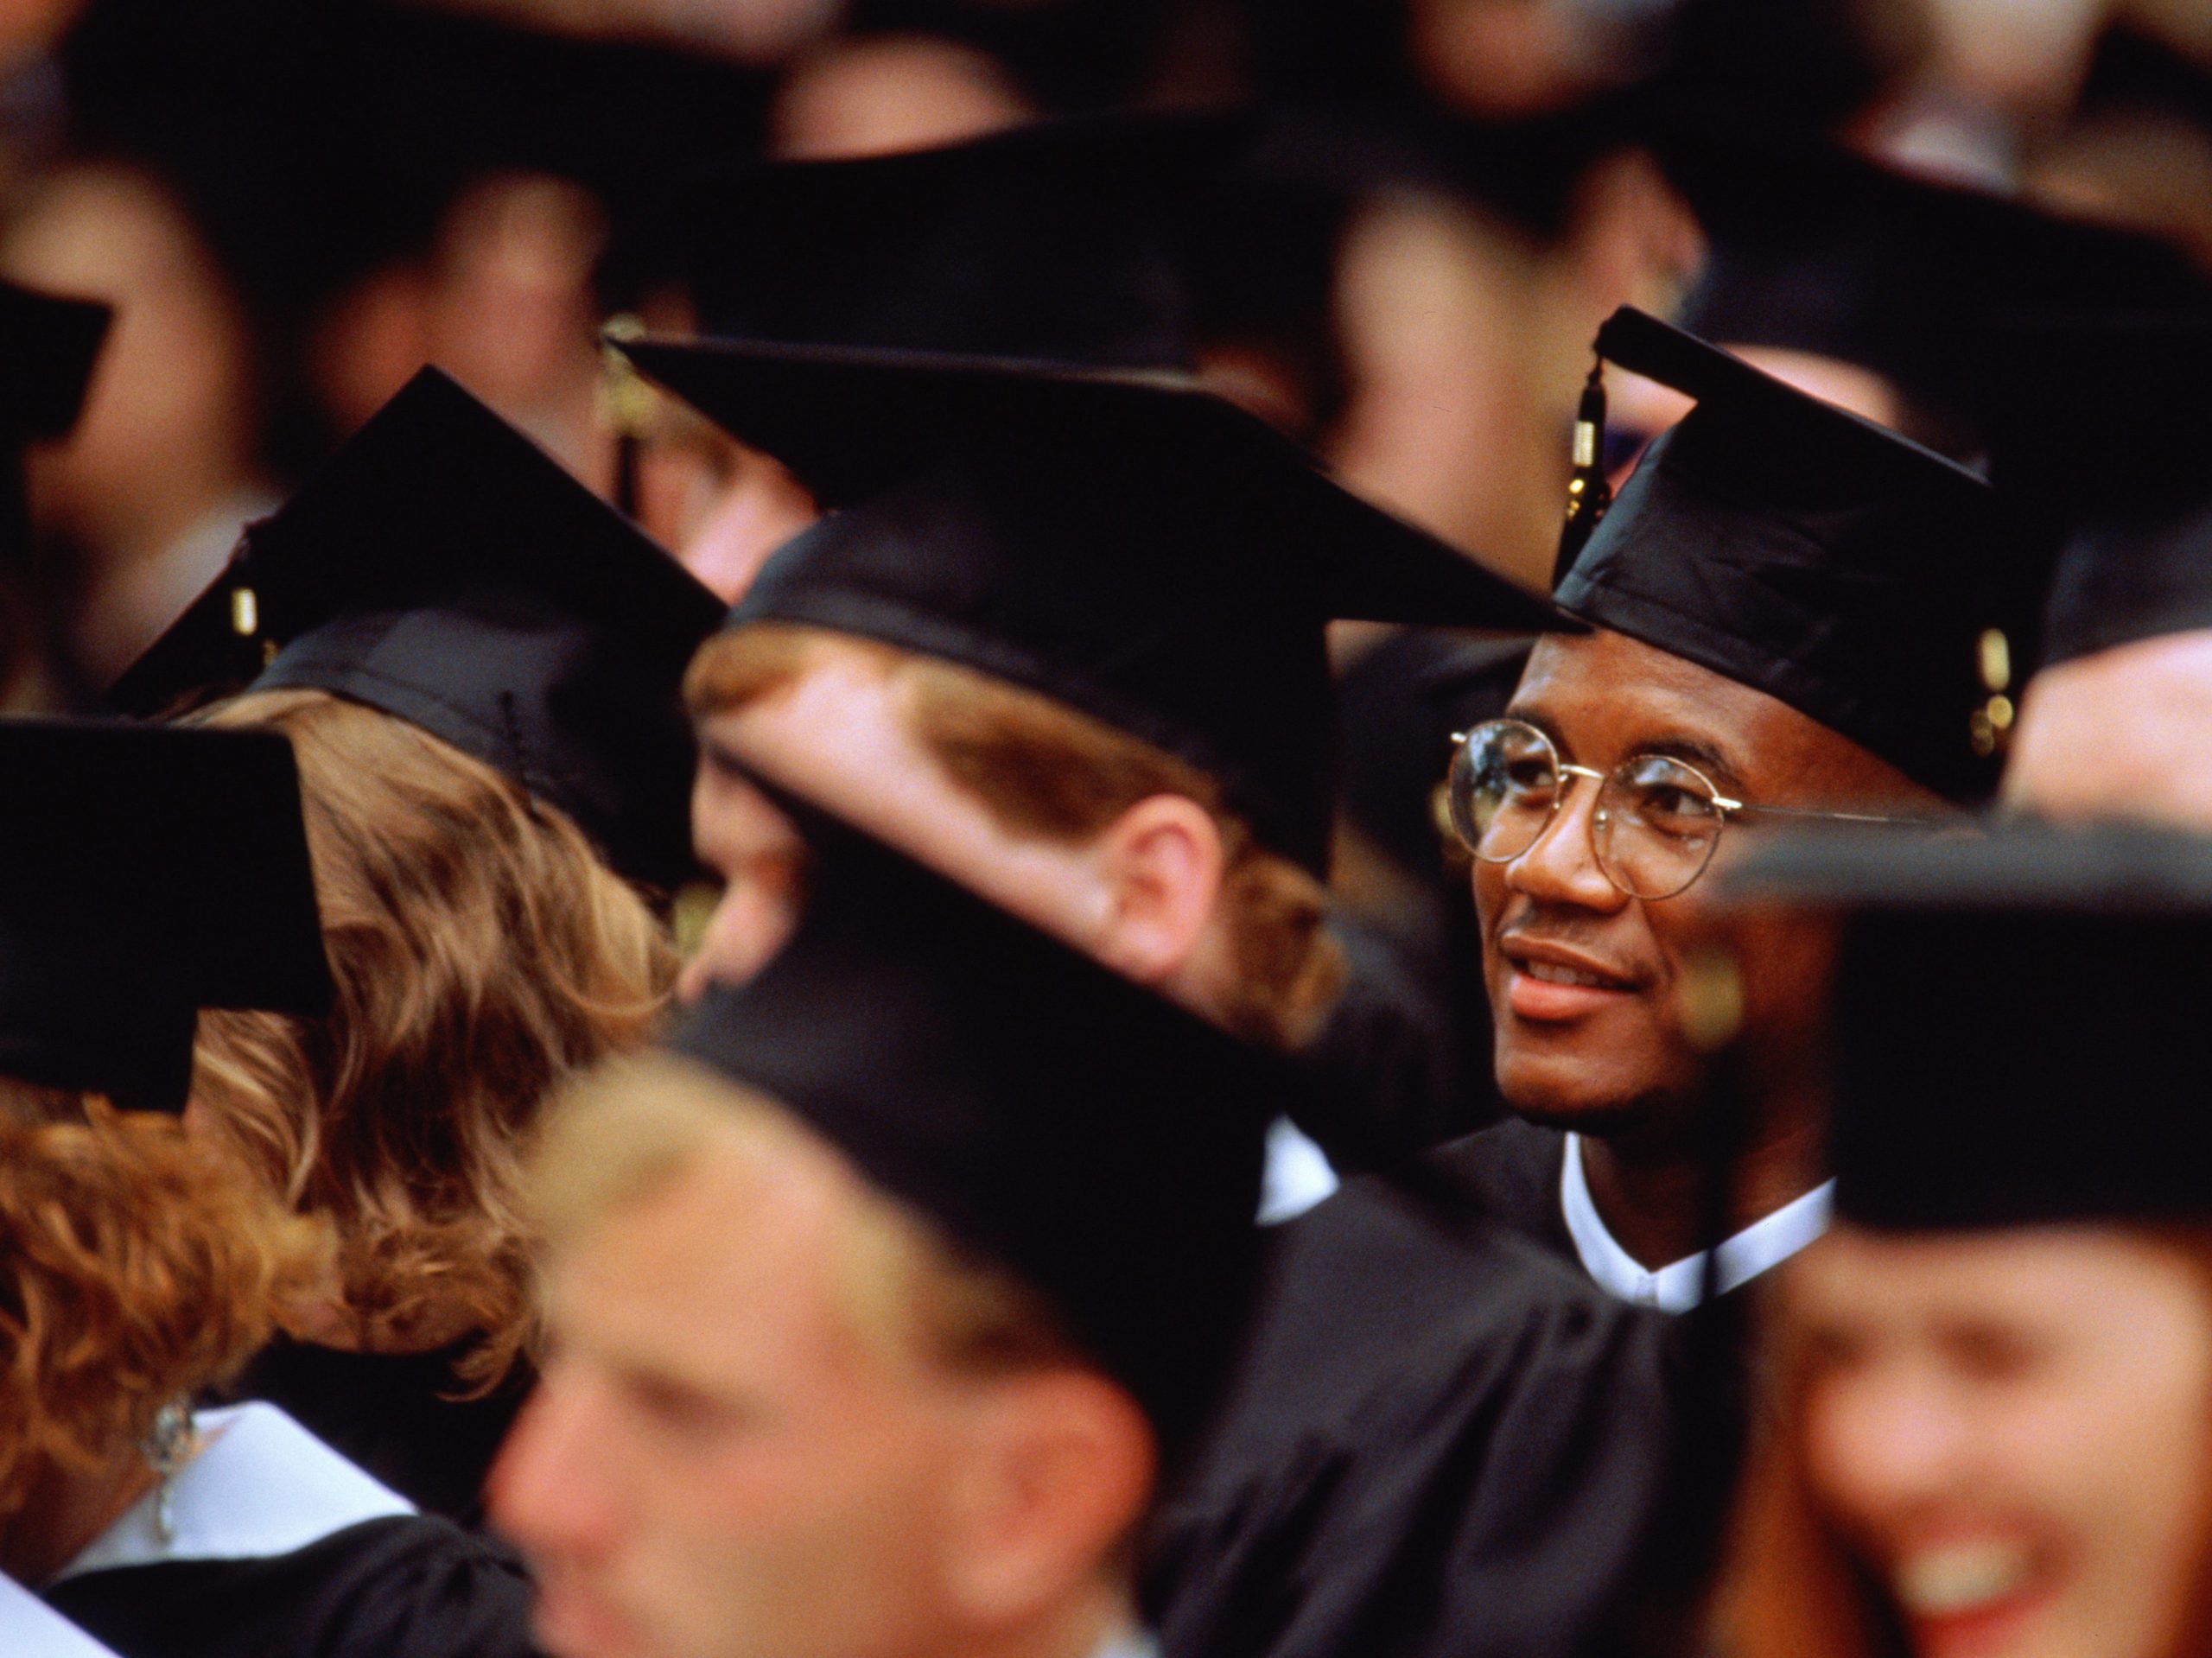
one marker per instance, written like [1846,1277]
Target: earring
[168,1447]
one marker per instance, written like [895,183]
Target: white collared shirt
[1675,1288]
[31,1628]
[261,1486]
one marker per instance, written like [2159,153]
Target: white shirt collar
[1297,1175]
[1130,1643]
[261,1486]
[1675,1288]
[31,1628]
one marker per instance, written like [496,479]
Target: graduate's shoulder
[396,1587]
[1393,1285]
[1508,1172]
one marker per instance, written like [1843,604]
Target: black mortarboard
[1061,1120]
[444,569]
[47,347]
[146,873]
[52,344]
[2019,1035]
[1815,249]
[1802,551]
[1149,554]
[1053,245]
[2102,445]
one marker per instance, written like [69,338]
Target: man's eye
[682,1409]
[1989,1353]
[1822,1352]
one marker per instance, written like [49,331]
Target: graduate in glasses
[1791,624]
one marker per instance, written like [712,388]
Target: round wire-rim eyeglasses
[1657,820]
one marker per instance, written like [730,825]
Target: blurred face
[2009,1429]
[840,735]
[2121,734]
[1583,979]
[717,1464]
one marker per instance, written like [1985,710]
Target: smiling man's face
[1584,979]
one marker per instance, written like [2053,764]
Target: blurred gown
[1443,1441]
[280,1548]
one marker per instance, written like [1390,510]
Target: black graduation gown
[408,1586]
[391,1414]
[1510,1173]
[283,1549]
[1388,1059]
[1441,1442]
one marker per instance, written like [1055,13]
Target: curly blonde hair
[1048,771]
[482,955]
[136,1269]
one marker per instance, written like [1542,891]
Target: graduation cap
[1815,556]
[2019,1023]
[1144,552]
[2102,445]
[443,568]
[1053,246]
[52,344]
[47,347]
[146,873]
[1100,1142]
[1814,248]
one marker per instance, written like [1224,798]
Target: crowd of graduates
[1067,831]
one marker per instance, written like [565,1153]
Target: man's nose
[549,1491]
[1560,867]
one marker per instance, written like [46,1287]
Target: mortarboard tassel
[1588,494]
[245,602]
[1991,726]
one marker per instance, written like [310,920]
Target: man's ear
[1162,862]
[1062,1471]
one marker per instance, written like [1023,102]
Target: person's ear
[1162,861]
[1061,1472]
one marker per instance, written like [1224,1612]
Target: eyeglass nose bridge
[1568,771]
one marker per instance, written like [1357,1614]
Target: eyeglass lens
[1653,832]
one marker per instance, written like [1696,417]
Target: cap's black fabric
[2019,1024]
[2101,447]
[1065,1123]
[52,344]
[47,348]
[1148,554]
[1804,552]
[146,873]
[1815,249]
[443,568]
[1055,244]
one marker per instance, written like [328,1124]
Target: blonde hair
[634,1125]
[136,1270]
[483,955]
[1048,771]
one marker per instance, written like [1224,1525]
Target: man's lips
[1551,983]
